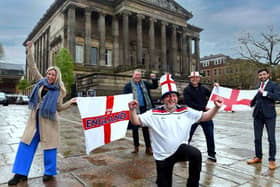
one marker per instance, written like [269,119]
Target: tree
[23,84]
[264,49]
[64,61]
[241,73]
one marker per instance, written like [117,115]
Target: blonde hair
[58,79]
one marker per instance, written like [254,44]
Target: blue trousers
[208,129]
[25,155]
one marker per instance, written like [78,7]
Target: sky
[222,22]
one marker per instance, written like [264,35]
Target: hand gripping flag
[104,119]
[234,100]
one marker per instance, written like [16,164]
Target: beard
[170,107]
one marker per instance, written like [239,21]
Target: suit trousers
[25,155]
[259,122]
[208,129]
[184,153]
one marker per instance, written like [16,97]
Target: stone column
[174,64]
[190,53]
[197,54]
[152,43]
[116,45]
[40,55]
[185,64]
[163,46]
[180,63]
[102,35]
[140,17]
[44,52]
[87,36]
[125,31]
[71,20]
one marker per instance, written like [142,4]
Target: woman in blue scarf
[46,100]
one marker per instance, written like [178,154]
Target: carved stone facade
[113,36]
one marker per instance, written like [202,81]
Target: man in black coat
[264,114]
[141,92]
[196,96]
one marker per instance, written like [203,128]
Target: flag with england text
[234,100]
[104,118]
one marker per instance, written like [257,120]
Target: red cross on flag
[104,118]
[234,100]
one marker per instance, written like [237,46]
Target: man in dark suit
[264,114]
[141,92]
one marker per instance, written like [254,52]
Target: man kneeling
[170,126]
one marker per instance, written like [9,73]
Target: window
[108,58]
[93,56]
[79,54]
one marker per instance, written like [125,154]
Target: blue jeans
[269,123]
[208,129]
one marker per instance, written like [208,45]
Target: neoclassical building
[113,36]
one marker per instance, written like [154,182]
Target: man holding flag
[196,97]
[265,114]
[170,127]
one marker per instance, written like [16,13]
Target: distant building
[213,67]
[112,36]
[10,74]
[234,73]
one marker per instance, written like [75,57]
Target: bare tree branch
[265,48]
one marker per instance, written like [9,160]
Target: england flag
[104,119]
[234,100]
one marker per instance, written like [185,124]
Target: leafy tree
[23,84]
[265,48]
[241,73]
[64,61]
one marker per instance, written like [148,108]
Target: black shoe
[47,178]
[17,179]
[212,158]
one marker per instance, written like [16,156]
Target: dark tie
[262,84]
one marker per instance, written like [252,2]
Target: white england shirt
[169,130]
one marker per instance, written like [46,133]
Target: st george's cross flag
[104,119]
[234,100]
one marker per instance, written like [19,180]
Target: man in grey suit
[264,114]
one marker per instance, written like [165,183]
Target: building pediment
[170,5]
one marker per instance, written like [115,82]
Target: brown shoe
[272,165]
[149,151]
[254,160]
[136,150]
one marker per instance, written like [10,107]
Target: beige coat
[49,129]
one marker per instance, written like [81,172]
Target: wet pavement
[115,165]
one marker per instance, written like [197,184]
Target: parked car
[22,99]
[3,99]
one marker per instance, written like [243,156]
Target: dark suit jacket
[266,104]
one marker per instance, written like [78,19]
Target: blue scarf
[49,102]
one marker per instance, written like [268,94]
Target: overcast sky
[222,21]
